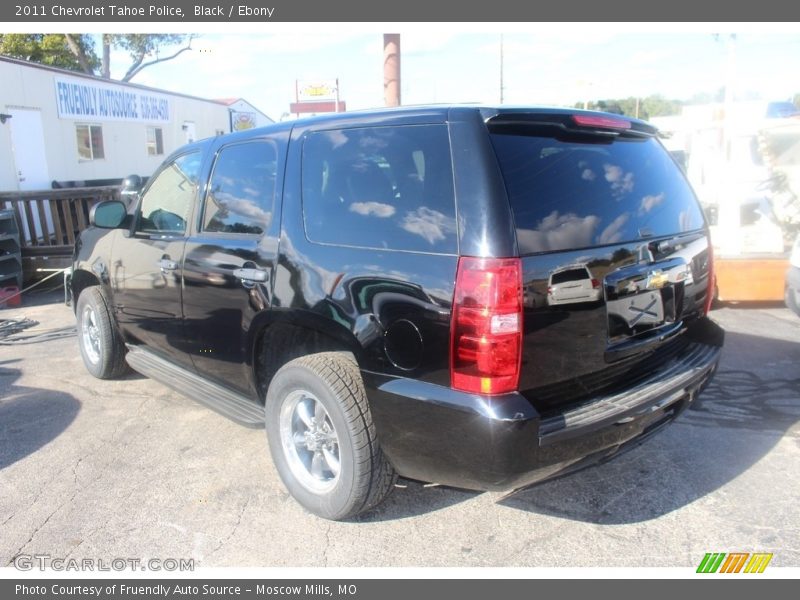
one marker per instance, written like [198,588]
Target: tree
[51,49]
[645,108]
[76,51]
[142,46]
[659,106]
[611,106]
[708,98]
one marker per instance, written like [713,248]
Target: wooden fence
[50,220]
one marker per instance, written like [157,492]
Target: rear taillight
[595,284]
[711,278]
[486,328]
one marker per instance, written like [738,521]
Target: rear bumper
[433,433]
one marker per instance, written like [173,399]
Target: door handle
[251,275]
[167,265]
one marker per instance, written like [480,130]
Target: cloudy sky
[543,64]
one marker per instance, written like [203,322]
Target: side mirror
[108,215]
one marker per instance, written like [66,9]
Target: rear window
[380,187]
[569,194]
[570,275]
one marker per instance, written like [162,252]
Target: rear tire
[322,437]
[102,348]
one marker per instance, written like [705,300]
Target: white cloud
[374,209]
[242,206]
[417,42]
[276,44]
[613,232]
[431,225]
[650,202]
[336,138]
[653,57]
[557,232]
[621,182]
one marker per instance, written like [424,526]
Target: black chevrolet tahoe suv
[376,289]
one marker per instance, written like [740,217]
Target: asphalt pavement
[129,468]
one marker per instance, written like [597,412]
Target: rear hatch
[599,194]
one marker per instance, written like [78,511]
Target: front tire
[322,438]
[101,346]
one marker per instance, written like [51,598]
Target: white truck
[745,167]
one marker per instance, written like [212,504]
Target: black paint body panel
[392,309]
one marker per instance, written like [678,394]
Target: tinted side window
[568,194]
[242,189]
[380,187]
[168,201]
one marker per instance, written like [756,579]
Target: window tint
[167,203]
[569,194]
[380,187]
[242,189]
[570,275]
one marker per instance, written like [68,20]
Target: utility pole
[391,69]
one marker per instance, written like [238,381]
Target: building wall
[124,139]
[253,116]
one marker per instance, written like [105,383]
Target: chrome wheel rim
[90,333]
[310,442]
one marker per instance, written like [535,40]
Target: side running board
[227,403]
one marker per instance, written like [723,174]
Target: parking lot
[129,468]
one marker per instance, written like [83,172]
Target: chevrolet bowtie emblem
[656,279]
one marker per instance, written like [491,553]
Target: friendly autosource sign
[83,99]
